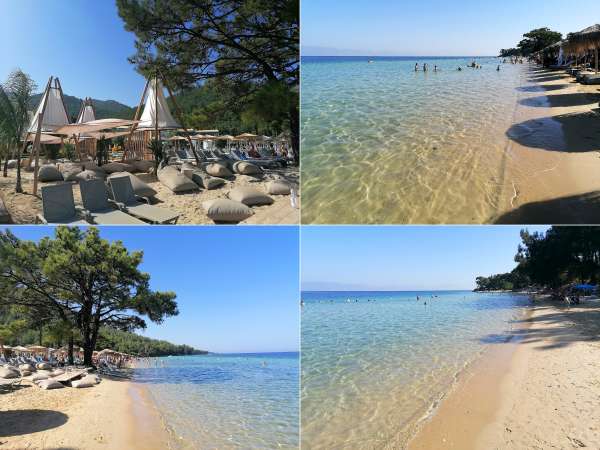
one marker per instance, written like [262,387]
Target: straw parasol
[247,136]
[37,348]
[20,348]
[106,351]
[177,138]
[585,40]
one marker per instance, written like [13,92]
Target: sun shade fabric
[92,126]
[55,115]
[156,111]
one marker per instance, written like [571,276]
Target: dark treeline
[551,260]
[532,42]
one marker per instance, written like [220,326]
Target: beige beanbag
[50,384]
[91,378]
[38,377]
[200,178]
[139,187]
[218,170]
[83,383]
[246,168]
[89,174]
[12,164]
[28,367]
[249,196]
[8,373]
[113,167]
[91,165]
[25,373]
[44,366]
[278,187]
[175,180]
[49,172]
[69,171]
[141,166]
[224,210]
[57,372]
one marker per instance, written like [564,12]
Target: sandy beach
[538,391]
[24,207]
[113,415]
[553,153]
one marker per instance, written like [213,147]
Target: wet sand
[553,153]
[538,391]
[112,415]
[24,207]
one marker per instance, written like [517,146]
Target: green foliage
[135,344]
[561,256]
[156,147]
[83,280]
[102,147]
[514,280]
[509,52]
[104,108]
[67,151]
[537,40]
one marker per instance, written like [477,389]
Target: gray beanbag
[25,373]
[49,172]
[44,366]
[139,187]
[70,171]
[141,166]
[91,165]
[50,384]
[9,373]
[89,174]
[28,367]
[57,372]
[113,167]
[278,187]
[175,180]
[249,196]
[38,377]
[200,178]
[12,164]
[224,210]
[218,170]
[246,168]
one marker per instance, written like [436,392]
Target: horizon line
[386,290]
[401,56]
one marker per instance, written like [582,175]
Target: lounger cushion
[141,166]
[249,196]
[218,170]
[50,384]
[44,366]
[9,373]
[113,167]
[225,210]
[49,172]
[139,187]
[28,367]
[38,377]
[278,187]
[175,180]
[246,168]
[83,383]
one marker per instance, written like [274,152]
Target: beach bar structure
[585,41]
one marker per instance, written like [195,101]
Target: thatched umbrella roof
[584,40]
[37,348]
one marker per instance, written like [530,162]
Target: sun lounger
[240,156]
[59,206]
[96,202]
[70,376]
[123,194]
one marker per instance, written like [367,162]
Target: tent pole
[46,92]
[180,116]
[156,137]
[135,118]
[36,146]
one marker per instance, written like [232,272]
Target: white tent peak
[156,110]
[55,115]
[87,112]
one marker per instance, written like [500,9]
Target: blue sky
[405,257]
[434,27]
[237,287]
[82,42]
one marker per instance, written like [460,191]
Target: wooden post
[36,146]
[180,117]
[136,117]
[596,58]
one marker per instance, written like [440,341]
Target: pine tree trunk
[295,133]
[71,349]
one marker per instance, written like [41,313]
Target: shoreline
[506,399]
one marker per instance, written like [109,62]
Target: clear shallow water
[371,370]
[245,401]
[383,144]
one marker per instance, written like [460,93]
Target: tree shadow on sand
[577,132]
[561,100]
[543,87]
[578,323]
[575,209]
[26,421]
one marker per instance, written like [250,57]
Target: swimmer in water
[416,67]
[435,68]
[425,67]
[498,68]
[459,68]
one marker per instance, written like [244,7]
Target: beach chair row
[124,208]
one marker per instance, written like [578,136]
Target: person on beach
[459,69]
[416,67]
[425,67]
[435,67]
[498,68]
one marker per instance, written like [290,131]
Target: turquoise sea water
[375,364]
[382,143]
[242,401]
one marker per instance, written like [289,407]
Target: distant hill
[104,108]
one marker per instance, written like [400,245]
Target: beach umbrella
[106,351]
[247,136]
[20,348]
[584,40]
[177,138]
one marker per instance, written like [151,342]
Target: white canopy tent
[55,112]
[87,113]
[156,113]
